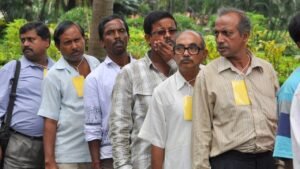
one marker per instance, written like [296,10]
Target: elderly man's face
[189,51]
[229,40]
[72,44]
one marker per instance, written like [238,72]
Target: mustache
[27,48]
[118,42]
[221,45]
[186,59]
[75,50]
[170,42]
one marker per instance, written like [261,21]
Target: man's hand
[164,49]
[51,165]
[96,165]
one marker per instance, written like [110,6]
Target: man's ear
[101,44]
[298,44]
[57,46]
[205,53]
[147,38]
[246,36]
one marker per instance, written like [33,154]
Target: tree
[101,8]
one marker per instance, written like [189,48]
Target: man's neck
[241,62]
[120,60]
[190,75]
[43,61]
[159,63]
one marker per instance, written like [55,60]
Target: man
[283,143]
[25,147]
[294,30]
[133,90]
[114,35]
[168,122]
[234,102]
[62,102]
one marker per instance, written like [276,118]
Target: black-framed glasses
[192,49]
[163,32]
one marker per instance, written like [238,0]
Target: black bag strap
[12,96]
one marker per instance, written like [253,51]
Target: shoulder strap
[12,96]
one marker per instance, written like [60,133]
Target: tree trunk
[186,5]
[101,8]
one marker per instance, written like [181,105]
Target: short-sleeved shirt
[60,102]
[164,125]
[28,96]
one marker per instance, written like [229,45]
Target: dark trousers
[237,160]
[24,153]
[107,163]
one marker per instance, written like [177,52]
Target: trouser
[237,160]
[74,166]
[24,152]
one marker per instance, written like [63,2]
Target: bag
[4,130]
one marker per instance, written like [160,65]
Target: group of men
[166,110]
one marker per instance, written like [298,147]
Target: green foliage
[125,7]
[185,22]
[137,44]
[11,43]
[80,15]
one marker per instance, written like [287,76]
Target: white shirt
[164,125]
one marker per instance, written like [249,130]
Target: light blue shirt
[28,99]
[60,102]
[97,102]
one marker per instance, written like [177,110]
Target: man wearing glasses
[168,123]
[133,90]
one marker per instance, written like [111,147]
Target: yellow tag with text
[240,92]
[78,82]
[187,107]
[45,72]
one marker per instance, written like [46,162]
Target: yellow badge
[187,107]
[240,92]
[45,72]
[78,82]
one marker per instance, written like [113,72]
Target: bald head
[198,35]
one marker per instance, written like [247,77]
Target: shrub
[80,15]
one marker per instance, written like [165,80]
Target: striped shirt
[130,99]
[283,144]
[219,125]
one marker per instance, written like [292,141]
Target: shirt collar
[148,60]
[225,64]
[27,63]
[108,60]
[179,80]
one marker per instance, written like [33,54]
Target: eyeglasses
[192,50]
[163,32]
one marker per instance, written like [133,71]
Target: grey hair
[244,25]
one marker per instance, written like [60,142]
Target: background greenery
[269,39]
